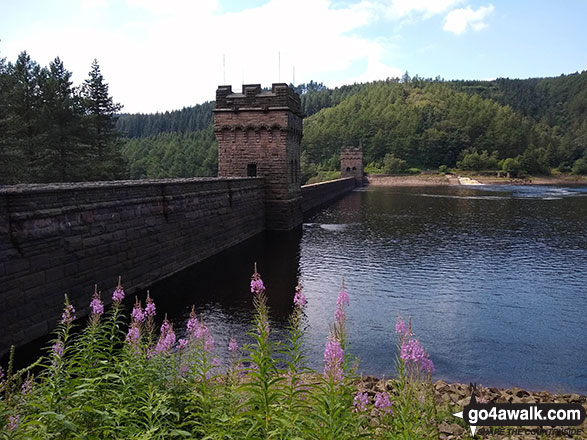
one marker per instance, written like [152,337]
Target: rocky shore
[450,179]
[454,396]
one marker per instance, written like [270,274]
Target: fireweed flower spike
[203,335]
[343,297]
[232,345]
[257,285]
[57,348]
[133,336]
[192,324]
[12,423]
[400,326]
[96,305]
[333,359]
[150,310]
[360,402]
[137,314]
[415,357]
[68,315]
[118,294]
[383,404]
[299,298]
[27,385]
[166,338]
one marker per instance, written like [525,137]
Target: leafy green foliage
[394,165]
[475,161]
[100,383]
[512,167]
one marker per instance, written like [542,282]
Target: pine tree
[103,140]
[63,156]
[23,129]
[6,169]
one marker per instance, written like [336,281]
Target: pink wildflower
[12,423]
[68,315]
[400,326]
[118,294]
[150,310]
[166,338]
[383,404]
[182,344]
[257,285]
[299,298]
[333,359]
[137,314]
[415,357]
[96,305]
[58,348]
[27,385]
[343,298]
[360,402]
[134,335]
[192,324]
[232,345]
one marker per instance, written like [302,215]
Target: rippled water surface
[494,278]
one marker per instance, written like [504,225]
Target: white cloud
[164,55]
[91,4]
[403,9]
[459,20]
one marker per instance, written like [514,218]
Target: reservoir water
[494,279]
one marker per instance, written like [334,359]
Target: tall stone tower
[351,164]
[259,134]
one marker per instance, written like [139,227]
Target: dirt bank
[408,180]
[450,179]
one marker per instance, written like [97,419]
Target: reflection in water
[493,277]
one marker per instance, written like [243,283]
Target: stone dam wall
[64,238]
[319,194]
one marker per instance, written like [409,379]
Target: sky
[159,55]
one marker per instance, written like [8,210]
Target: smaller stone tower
[259,134]
[351,164]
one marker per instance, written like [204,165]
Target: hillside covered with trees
[529,126]
[428,124]
[51,131]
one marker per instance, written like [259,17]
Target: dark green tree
[23,121]
[102,139]
[63,156]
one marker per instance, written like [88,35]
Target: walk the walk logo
[521,414]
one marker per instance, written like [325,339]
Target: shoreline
[457,395]
[452,179]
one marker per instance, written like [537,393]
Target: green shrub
[443,169]
[394,165]
[374,168]
[414,170]
[564,167]
[512,167]
[580,166]
[474,161]
[323,176]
